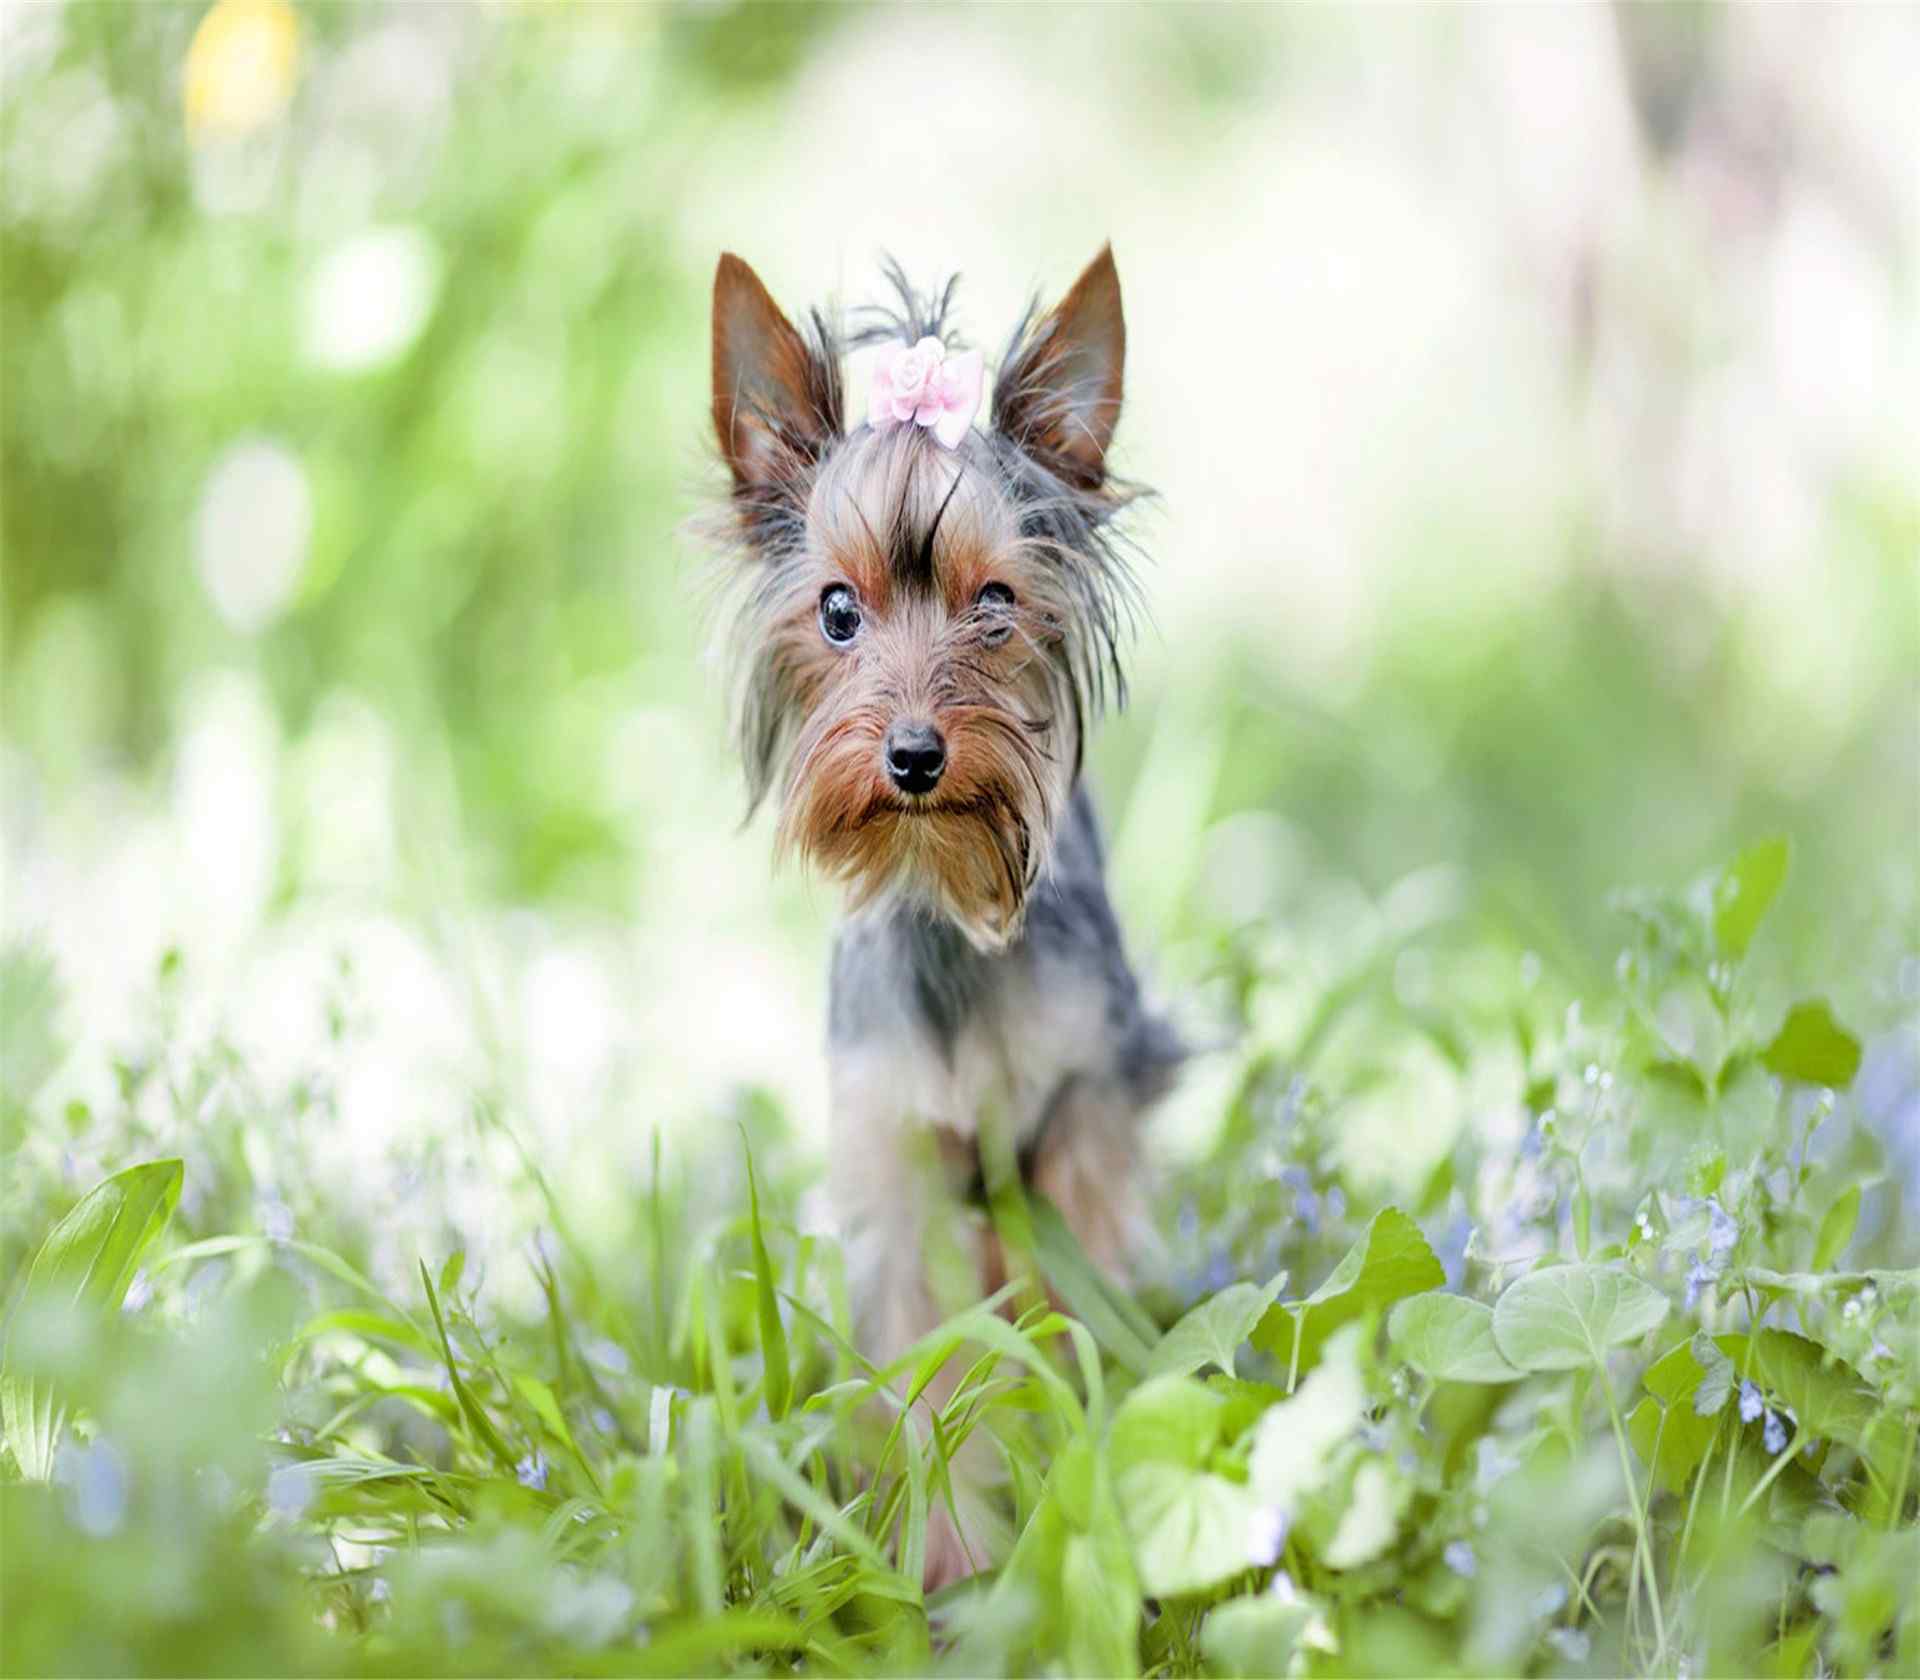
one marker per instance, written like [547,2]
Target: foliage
[1635,1418]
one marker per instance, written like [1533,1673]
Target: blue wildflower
[1775,1434]
[95,1477]
[1699,1275]
[290,1490]
[1751,1405]
[1306,1209]
[1460,1559]
[532,1470]
[1723,1230]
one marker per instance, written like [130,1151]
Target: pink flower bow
[922,383]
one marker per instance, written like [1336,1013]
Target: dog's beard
[972,849]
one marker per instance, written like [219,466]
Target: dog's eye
[995,601]
[839,614]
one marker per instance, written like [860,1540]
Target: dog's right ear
[776,397]
[1058,393]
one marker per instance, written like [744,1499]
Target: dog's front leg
[914,1257]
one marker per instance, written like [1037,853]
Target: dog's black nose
[915,757]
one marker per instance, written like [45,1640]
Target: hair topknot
[912,316]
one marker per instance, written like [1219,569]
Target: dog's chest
[924,1031]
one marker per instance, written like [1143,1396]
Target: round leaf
[1567,1317]
[1813,1048]
[1450,1339]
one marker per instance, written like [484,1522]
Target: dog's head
[929,615]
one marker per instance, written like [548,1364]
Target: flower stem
[1773,1471]
[1642,1547]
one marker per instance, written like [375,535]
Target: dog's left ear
[1058,391]
[776,398]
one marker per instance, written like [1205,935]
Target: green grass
[1625,1382]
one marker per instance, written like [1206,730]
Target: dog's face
[924,630]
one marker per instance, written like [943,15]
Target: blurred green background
[1532,396]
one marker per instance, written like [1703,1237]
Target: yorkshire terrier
[930,618]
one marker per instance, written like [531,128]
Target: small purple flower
[1775,1433]
[1460,1559]
[1699,1276]
[95,1477]
[1751,1405]
[1723,1230]
[290,1490]
[532,1470]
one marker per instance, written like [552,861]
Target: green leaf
[1293,1445]
[1450,1339]
[1836,1228]
[1887,1281]
[773,1332]
[1745,891]
[470,1407]
[546,1407]
[1676,1374]
[1371,1517]
[1209,1334]
[1671,1439]
[1171,1419]
[1188,1527]
[368,1326]
[1565,1318]
[86,1264]
[1099,1593]
[1716,1386]
[1812,1047]
[1253,1636]
[1390,1262]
